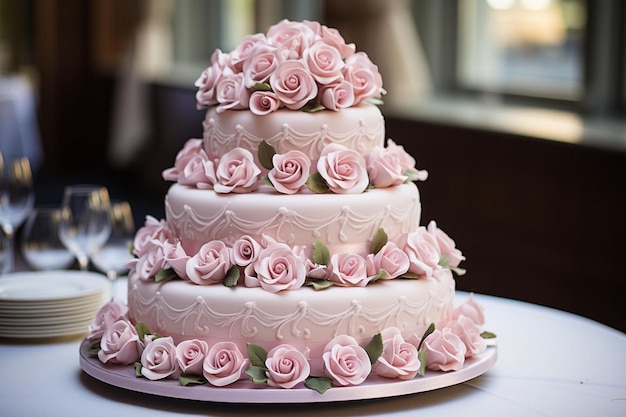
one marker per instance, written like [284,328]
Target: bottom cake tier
[306,319]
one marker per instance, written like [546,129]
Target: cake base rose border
[245,391]
[443,348]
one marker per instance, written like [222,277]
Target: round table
[550,363]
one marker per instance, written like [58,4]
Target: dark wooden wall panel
[539,221]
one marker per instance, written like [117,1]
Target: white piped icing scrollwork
[361,138]
[285,225]
[201,318]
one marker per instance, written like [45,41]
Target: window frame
[604,58]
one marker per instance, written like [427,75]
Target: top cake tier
[360,128]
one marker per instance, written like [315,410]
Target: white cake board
[245,391]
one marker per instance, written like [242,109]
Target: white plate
[46,286]
[46,333]
[247,392]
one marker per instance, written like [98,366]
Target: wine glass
[41,247]
[112,257]
[16,201]
[85,224]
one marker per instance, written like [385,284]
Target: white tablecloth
[550,363]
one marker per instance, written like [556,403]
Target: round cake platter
[245,391]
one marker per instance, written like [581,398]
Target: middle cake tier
[344,222]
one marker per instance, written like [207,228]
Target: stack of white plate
[50,304]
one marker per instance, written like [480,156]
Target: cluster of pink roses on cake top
[339,169]
[275,266]
[344,362]
[293,65]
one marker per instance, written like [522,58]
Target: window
[564,53]
[530,47]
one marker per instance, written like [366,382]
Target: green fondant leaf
[267,181]
[261,87]
[311,107]
[374,348]
[459,271]
[378,241]
[316,183]
[381,274]
[138,367]
[321,254]
[319,384]
[192,380]
[93,348]
[142,329]
[266,153]
[165,275]
[422,355]
[320,284]
[257,374]
[232,276]
[444,260]
[427,333]
[375,100]
[488,335]
[410,275]
[257,355]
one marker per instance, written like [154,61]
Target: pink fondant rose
[364,76]
[224,364]
[176,257]
[262,64]
[278,268]
[236,172]
[469,333]
[120,344]
[107,315]
[332,37]
[399,358]
[264,102]
[190,149]
[470,308]
[348,270]
[152,229]
[384,168]
[199,172]
[158,360]
[445,351]
[190,355]
[245,251]
[343,169]
[151,261]
[210,264]
[244,51]
[231,93]
[407,162]
[286,367]
[294,37]
[446,245]
[209,79]
[391,259]
[337,96]
[293,84]
[345,362]
[324,62]
[423,252]
[290,172]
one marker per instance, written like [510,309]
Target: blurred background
[515,107]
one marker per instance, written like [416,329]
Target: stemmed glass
[112,257]
[85,224]
[41,247]
[16,201]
